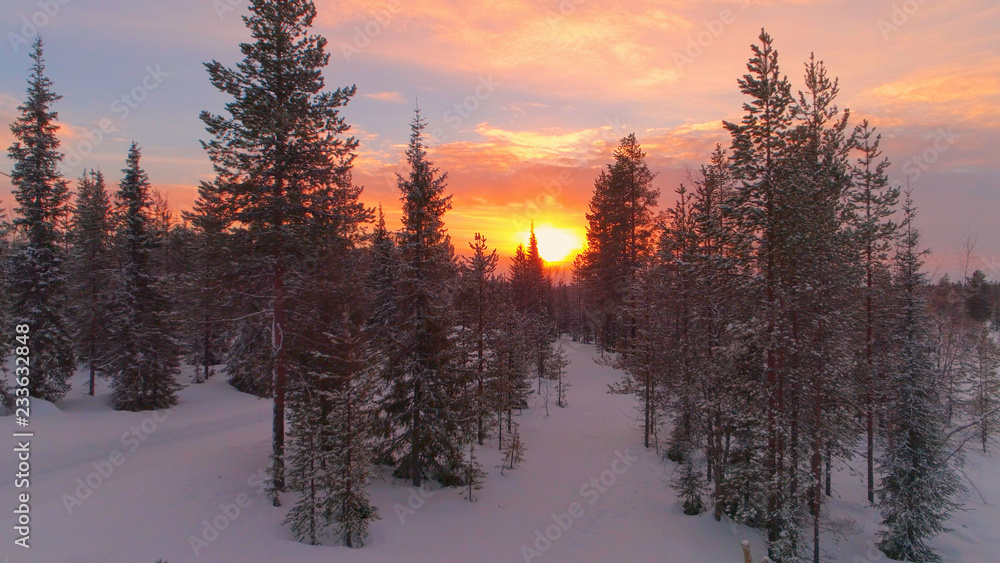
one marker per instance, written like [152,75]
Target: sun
[555,244]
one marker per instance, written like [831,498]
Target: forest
[773,319]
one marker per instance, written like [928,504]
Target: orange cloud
[391,97]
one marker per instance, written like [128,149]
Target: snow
[174,469]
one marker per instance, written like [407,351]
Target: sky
[526,99]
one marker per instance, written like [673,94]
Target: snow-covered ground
[184,485]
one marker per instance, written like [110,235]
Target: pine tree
[513,449]
[91,264]
[872,201]
[278,157]
[984,403]
[142,355]
[423,401]
[36,274]
[759,152]
[918,487]
[824,260]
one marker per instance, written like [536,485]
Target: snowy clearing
[195,472]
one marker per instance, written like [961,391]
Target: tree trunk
[277,343]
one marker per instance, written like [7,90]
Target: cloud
[943,93]
[561,44]
[391,97]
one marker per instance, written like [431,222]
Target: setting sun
[555,244]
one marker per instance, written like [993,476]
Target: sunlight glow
[555,244]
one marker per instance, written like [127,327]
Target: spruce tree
[208,279]
[332,431]
[918,487]
[511,374]
[619,237]
[6,398]
[423,401]
[92,263]
[142,355]
[278,157]
[383,265]
[36,273]
[531,290]
[479,310]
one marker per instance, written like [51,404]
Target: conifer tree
[92,264]
[513,449]
[872,201]
[474,474]
[382,268]
[531,289]
[424,397]
[142,357]
[822,270]
[619,237]
[36,273]
[918,487]
[556,369]
[208,279]
[759,144]
[278,157]
[984,402]
[6,399]
[478,290]
[511,374]
[332,431]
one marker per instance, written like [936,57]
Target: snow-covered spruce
[142,351]
[918,488]
[92,264]
[332,439]
[424,374]
[35,275]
